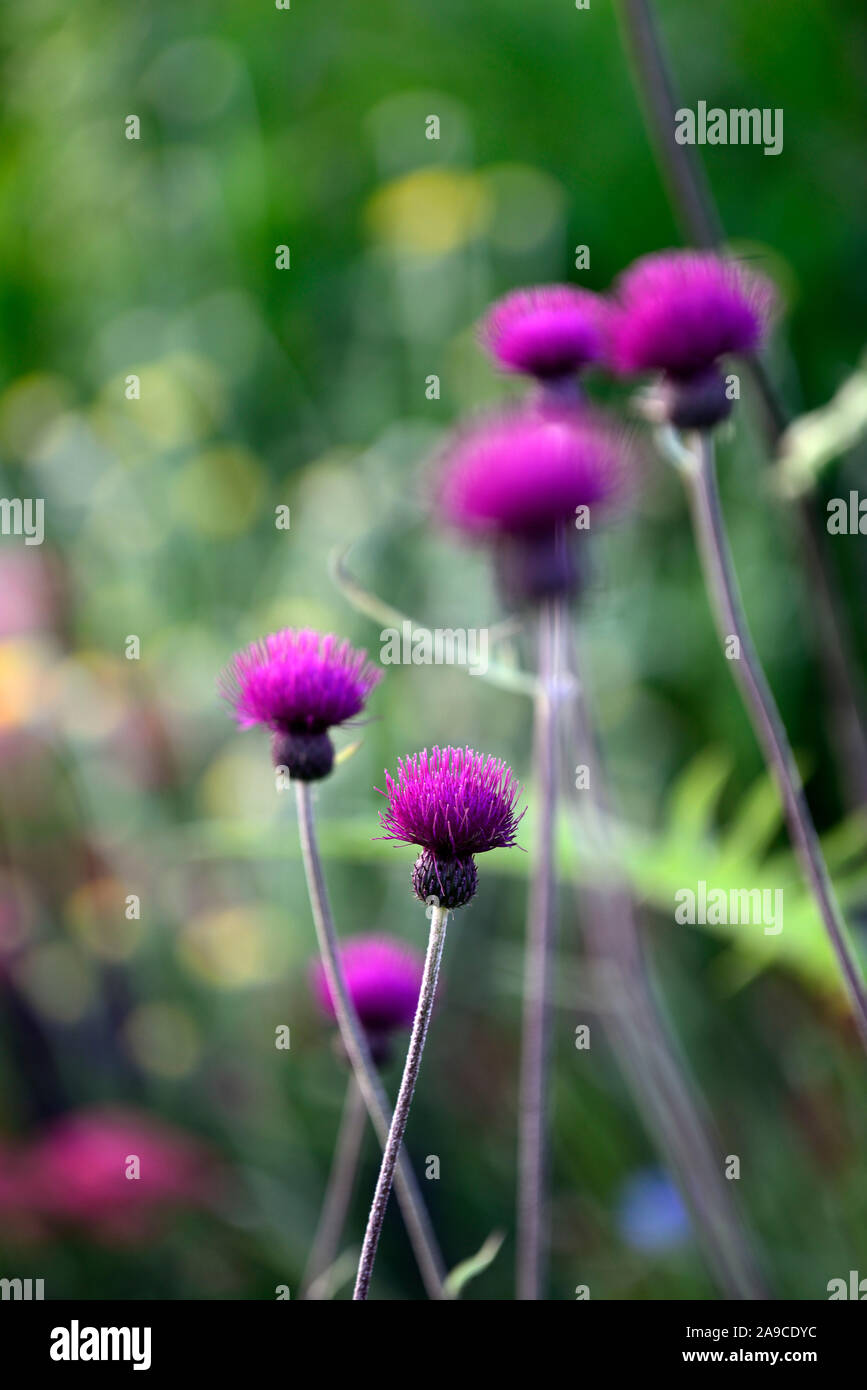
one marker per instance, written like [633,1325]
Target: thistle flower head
[383,977]
[680,311]
[453,803]
[527,470]
[549,331]
[299,683]
[79,1172]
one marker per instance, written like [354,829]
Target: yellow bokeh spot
[174,402]
[22,675]
[96,912]
[28,407]
[57,982]
[219,492]
[429,212]
[88,696]
[240,780]
[163,1039]
[228,948]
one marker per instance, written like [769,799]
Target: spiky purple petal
[452,802]
[298,681]
[528,469]
[679,311]
[548,331]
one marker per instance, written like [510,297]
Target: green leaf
[812,441]
[462,1273]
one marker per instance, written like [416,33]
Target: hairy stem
[658,1078]
[352,1034]
[533,1102]
[427,994]
[338,1194]
[691,197]
[722,586]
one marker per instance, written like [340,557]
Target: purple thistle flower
[299,683]
[527,470]
[519,478]
[679,313]
[454,804]
[549,331]
[383,976]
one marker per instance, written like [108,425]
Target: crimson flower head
[114,1172]
[453,803]
[678,313]
[299,684]
[529,480]
[549,331]
[383,976]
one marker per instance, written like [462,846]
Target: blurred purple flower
[548,331]
[680,311]
[383,976]
[526,470]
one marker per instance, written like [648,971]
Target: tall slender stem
[338,1193]
[659,1080]
[722,586]
[693,202]
[352,1034]
[538,960]
[427,994]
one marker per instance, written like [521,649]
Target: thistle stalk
[355,1043]
[533,1104]
[697,467]
[391,1152]
[658,1078]
[693,203]
[338,1193]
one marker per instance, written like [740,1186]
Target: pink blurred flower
[79,1172]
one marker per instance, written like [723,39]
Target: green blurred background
[305,387]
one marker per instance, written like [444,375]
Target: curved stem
[694,205]
[540,938]
[722,587]
[354,1040]
[659,1080]
[427,994]
[338,1194]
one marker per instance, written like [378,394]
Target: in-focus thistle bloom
[454,804]
[549,331]
[383,976]
[299,684]
[678,313]
[528,480]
